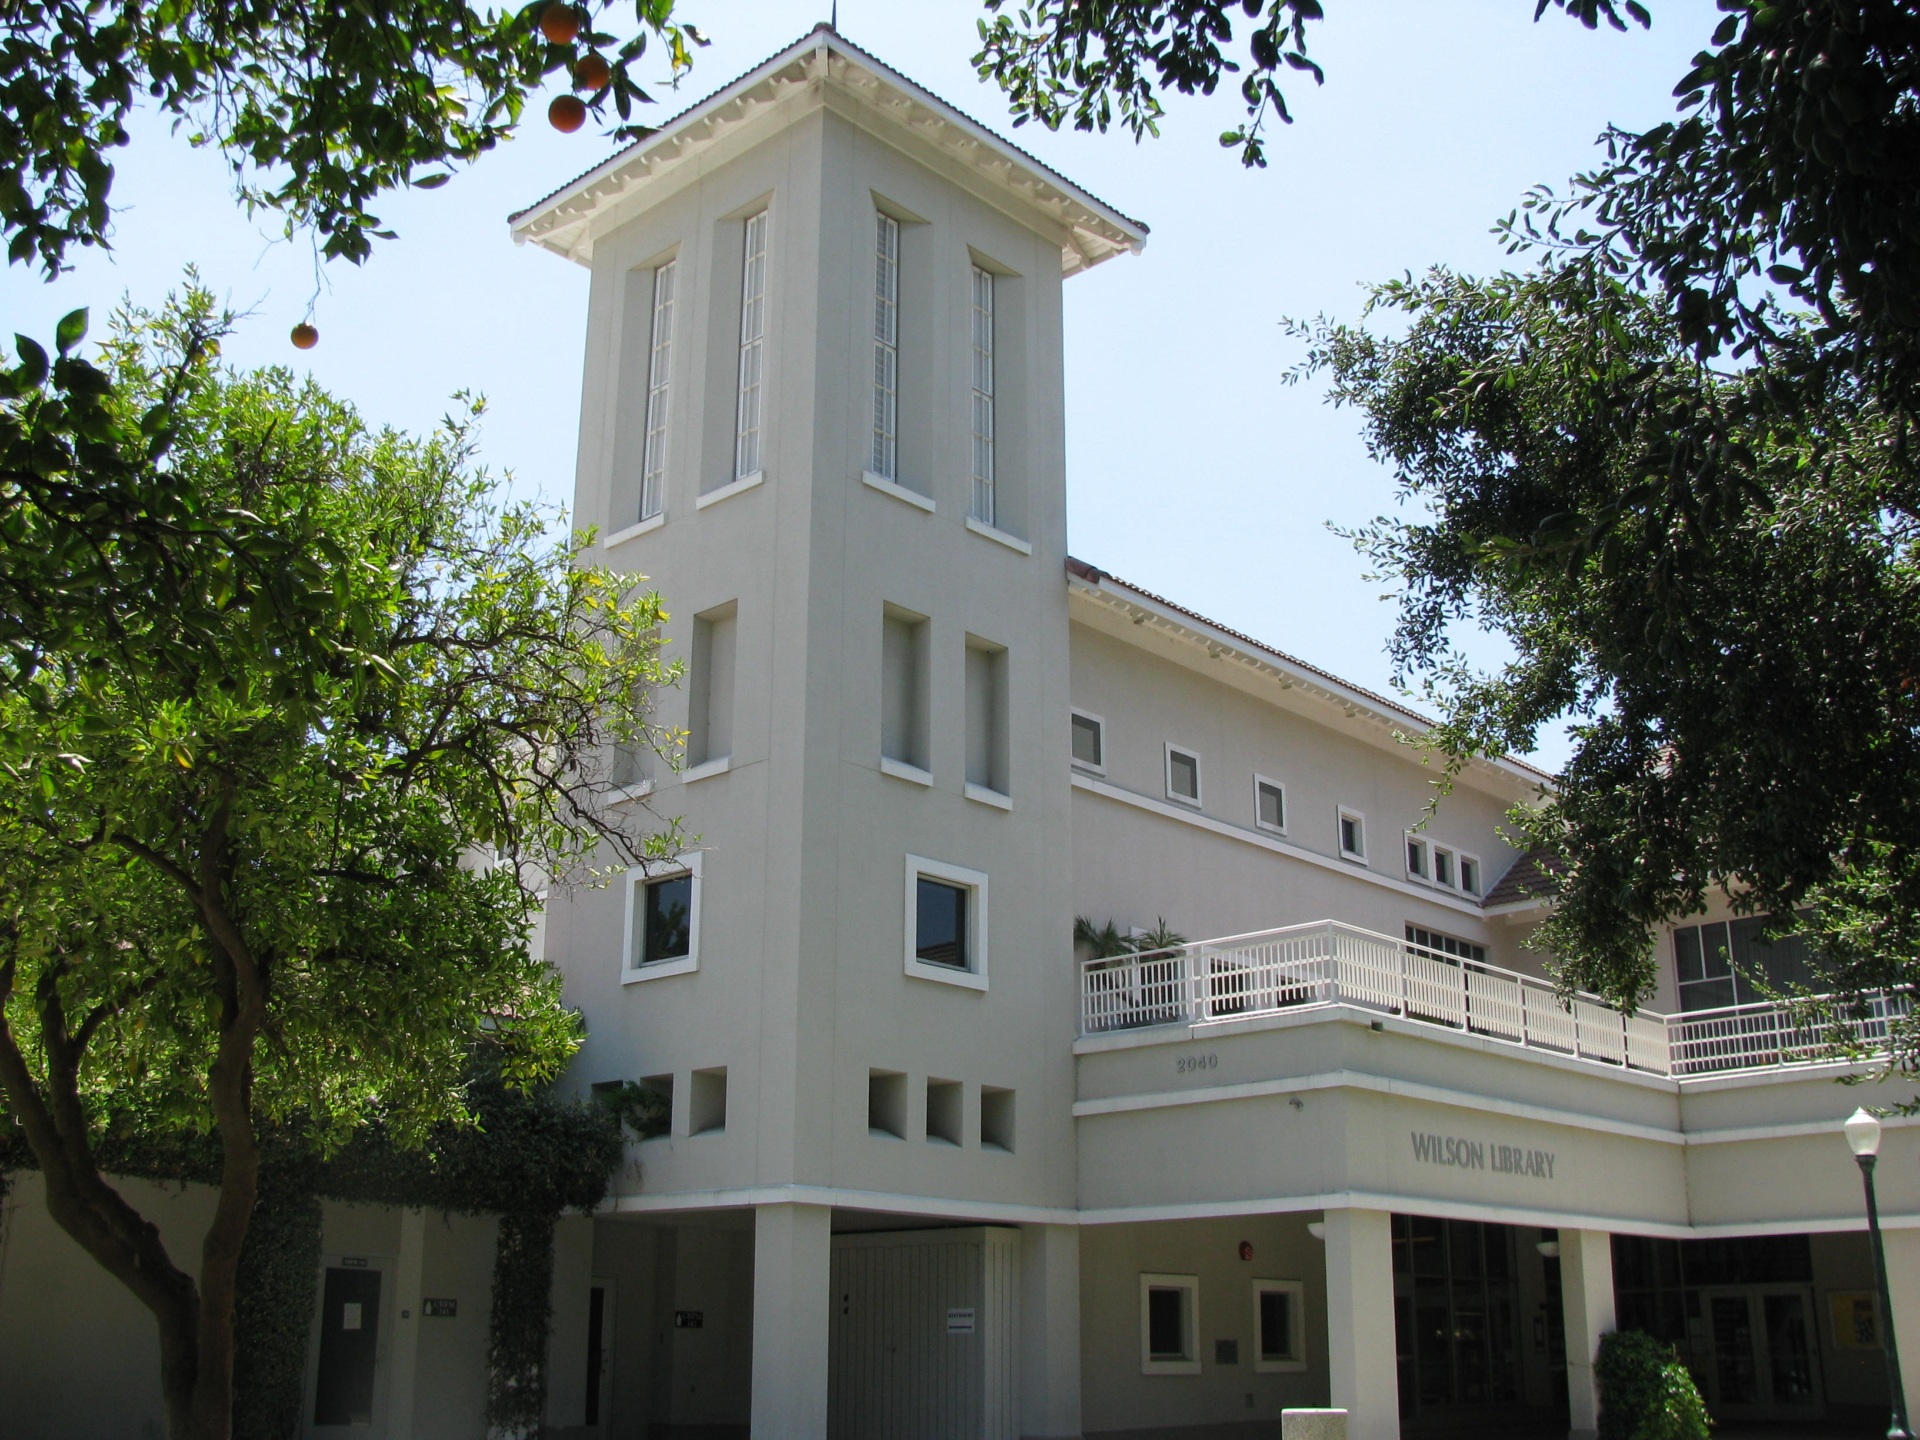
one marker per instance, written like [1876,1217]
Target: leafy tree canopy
[295,725]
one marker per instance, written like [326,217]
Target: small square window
[1353,836]
[1169,1321]
[1269,805]
[663,922]
[1089,742]
[1183,775]
[946,923]
[1278,1331]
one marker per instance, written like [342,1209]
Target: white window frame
[749,431]
[1259,824]
[1430,849]
[1199,781]
[630,974]
[1100,723]
[884,455]
[1189,1364]
[1344,813]
[1424,875]
[981,504]
[1296,1326]
[974,977]
[653,461]
[1460,858]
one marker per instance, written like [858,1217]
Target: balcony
[1326,963]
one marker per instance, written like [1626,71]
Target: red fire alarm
[1246,1250]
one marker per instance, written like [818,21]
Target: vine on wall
[517,1328]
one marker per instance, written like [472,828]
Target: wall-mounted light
[1246,1250]
[1317,1229]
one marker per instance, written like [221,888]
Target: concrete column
[408,1283]
[1049,1331]
[792,1302]
[1903,1280]
[567,1330]
[1586,1297]
[1361,1362]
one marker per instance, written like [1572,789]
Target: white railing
[1327,963]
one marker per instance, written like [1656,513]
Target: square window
[1353,836]
[1183,775]
[1278,1331]
[1269,805]
[1169,1321]
[946,917]
[1089,742]
[663,921]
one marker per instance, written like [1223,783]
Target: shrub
[1645,1392]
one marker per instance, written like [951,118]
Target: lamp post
[1863,1138]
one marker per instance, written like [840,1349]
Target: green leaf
[71,330]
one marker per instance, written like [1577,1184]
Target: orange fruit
[567,113]
[305,337]
[560,23]
[592,73]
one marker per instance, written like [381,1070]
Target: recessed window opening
[946,1105]
[753,344]
[1269,805]
[1353,835]
[1469,875]
[941,923]
[711,685]
[1443,946]
[982,503]
[904,642]
[1183,775]
[1278,1332]
[1089,742]
[884,459]
[887,1104]
[1169,1324]
[946,933]
[996,1118]
[707,1101]
[1418,865]
[653,470]
[987,716]
[1443,867]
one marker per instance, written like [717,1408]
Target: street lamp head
[1863,1132]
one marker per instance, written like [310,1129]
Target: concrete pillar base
[1363,1369]
[1586,1297]
[1049,1332]
[792,1304]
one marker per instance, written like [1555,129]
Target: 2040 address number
[1187,1064]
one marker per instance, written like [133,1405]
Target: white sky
[1191,470]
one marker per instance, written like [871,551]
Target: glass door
[1759,1345]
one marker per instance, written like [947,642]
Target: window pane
[1686,954]
[982,506]
[1166,1323]
[668,933]
[1469,875]
[1718,948]
[1184,775]
[1273,807]
[1276,1325]
[1352,841]
[1443,867]
[1416,856]
[940,923]
[1086,740]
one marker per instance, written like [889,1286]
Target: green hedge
[1645,1392]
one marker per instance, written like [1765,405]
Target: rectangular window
[987,751]
[663,921]
[1731,962]
[1278,1328]
[1451,946]
[749,414]
[1169,1325]
[1353,835]
[903,690]
[653,471]
[1418,865]
[1269,805]
[946,923]
[711,685]
[1089,742]
[1443,867]
[982,507]
[1469,875]
[886,347]
[1183,775]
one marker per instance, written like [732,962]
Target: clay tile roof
[1534,876]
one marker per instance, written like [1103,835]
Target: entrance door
[343,1391]
[1759,1344]
[600,1353]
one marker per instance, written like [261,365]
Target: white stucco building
[933,1171]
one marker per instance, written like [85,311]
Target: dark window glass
[1166,1323]
[1276,1325]
[1086,741]
[1273,807]
[940,923]
[1686,954]
[668,932]
[1183,775]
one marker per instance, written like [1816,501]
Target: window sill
[999,537]
[1192,802]
[896,490]
[730,489]
[985,795]
[705,769]
[661,969]
[1265,829]
[901,770]
[1356,859]
[946,975]
[620,537]
[627,794]
[1080,767]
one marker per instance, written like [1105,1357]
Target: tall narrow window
[710,698]
[886,347]
[753,349]
[983,507]
[986,717]
[903,684]
[653,473]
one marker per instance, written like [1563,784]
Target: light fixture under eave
[1317,1229]
[1863,1132]
[1549,1249]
